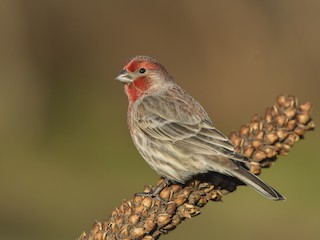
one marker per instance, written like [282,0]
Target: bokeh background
[66,157]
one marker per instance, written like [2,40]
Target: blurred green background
[66,157]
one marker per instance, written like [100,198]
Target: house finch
[174,134]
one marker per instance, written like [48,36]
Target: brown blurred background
[66,157]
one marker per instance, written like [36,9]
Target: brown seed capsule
[291,139]
[260,135]
[127,211]
[202,201]
[255,118]
[305,107]
[259,155]
[310,125]
[147,202]
[256,143]
[149,224]
[248,151]
[281,100]
[244,130]
[278,146]
[255,169]
[183,212]
[255,126]
[147,189]
[165,193]
[270,151]
[137,232]
[280,120]
[290,112]
[137,199]
[194,197]
[272,137]
[175,188]
[179,200]
[193,210]
[282,134]
[304,117]
[176,220]
[299,131]
[291,125]
[139,209]
[163,219]
[236,140]
[133,219]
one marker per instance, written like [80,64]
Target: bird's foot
[155,193]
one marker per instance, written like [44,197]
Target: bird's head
[143,75]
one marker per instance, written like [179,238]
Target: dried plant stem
[261,140]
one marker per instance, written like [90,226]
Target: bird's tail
[256,183]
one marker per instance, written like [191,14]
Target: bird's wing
[174,116]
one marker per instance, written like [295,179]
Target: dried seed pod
[255,169]
[139,209]
[282,134]
[304,117]
[257,143]
[165,193]
[281,100]
[299,131]
[149,224]
[244,130]
[133,219]
[305,107]
[260,135]
[291,139]
[176,220]
[291,125]
[236,140]
[248,151]
[147,202]
[259,155]
[181,199]
[270,151]
[175,188]
[202,201]
[280,120]
[271,138]
[290,112]
[137,232]
[163,219]
[194,197]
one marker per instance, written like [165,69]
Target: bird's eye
[142,70]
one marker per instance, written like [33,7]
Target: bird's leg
[156,191]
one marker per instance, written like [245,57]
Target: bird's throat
[137,89]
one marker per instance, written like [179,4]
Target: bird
[173,132]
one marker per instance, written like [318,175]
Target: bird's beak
[124,77]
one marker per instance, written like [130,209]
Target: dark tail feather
[256,183]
